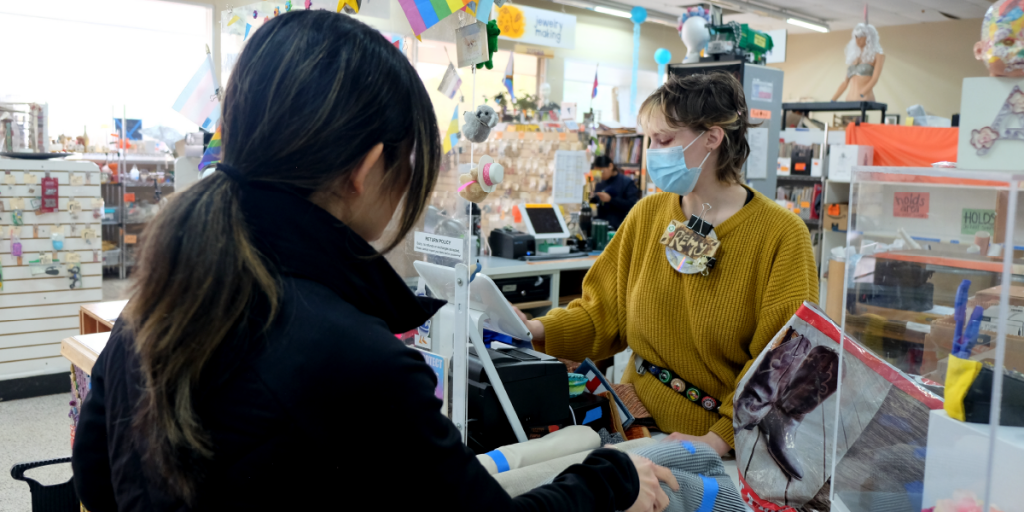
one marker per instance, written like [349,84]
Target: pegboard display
[38,305]
[529,161]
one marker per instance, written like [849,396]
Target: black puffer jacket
[326,410]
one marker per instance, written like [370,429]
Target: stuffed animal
[478,124]
[481,180]
[492,44]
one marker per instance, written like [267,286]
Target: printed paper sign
[9,179]
[438,245]
[131,239]
[77,180]
[763,91]
[912,205]
[973,221]
[439,365]
[73,257]
[30,179]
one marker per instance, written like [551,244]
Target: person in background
[694,328]
[615,194]
[255,367]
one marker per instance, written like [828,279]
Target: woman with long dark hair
[254,367]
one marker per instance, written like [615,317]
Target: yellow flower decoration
[511,21]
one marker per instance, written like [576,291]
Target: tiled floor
[36,429]
[33,429]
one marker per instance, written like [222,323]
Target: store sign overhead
[537,26]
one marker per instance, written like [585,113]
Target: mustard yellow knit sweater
[707,329]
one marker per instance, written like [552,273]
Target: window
[93,61]
[433,61]
[579,84]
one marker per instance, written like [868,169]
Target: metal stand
[449,342]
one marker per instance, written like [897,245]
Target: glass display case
[933,323]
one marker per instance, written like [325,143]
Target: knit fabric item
[708,328]
[613,438]
[704,485]
[627,393]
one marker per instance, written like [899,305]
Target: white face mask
[667,167]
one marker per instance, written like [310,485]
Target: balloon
[638,15]
[662,56]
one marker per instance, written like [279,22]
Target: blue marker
[960,310]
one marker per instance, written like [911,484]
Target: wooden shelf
[964,261]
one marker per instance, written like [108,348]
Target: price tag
[77,180]
[9,179]
[88,235]
[131,239]
[72,257]
[17,203]
[685,241]
[29,178]
[46,258]
[97,203]
[74,207]
[129,197]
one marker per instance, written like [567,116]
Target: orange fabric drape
[905,146]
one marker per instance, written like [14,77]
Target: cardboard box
[843,157]
[992,295]
[834,303]
[836,217]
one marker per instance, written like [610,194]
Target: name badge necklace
[690,248]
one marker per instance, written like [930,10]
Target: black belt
[674,381]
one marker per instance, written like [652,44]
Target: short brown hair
[701,102]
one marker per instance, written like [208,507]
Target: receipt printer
[511,244]
[537,385]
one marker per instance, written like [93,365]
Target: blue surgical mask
[667,167]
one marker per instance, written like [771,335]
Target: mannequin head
[1002,39]
[863,45]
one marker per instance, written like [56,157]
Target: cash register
[545,230]
[508,388]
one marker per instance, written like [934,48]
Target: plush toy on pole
[638,15]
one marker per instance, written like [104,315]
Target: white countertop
[493,266]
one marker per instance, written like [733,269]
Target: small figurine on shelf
[1002,39]
[481,180]
[864,61]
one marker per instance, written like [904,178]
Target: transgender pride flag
[198,102]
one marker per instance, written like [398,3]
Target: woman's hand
[535,326]
[652,497]
[711,439]
[604,196]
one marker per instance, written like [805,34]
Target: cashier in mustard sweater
[694,324]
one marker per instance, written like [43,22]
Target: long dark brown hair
[701,101]
[311,94]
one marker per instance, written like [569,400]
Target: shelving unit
[627,152]
[834,106]
[130,217]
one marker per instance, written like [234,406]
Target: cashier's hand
[603,196]
[536,328]
[711,439]
[652,497]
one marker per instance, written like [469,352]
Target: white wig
[871,48]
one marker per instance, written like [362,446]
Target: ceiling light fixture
[613,12]
[812,26]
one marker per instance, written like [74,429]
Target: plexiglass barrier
[933,323]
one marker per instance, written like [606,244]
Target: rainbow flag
[451,137]
[198,101]
[212,154]
[423,14]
